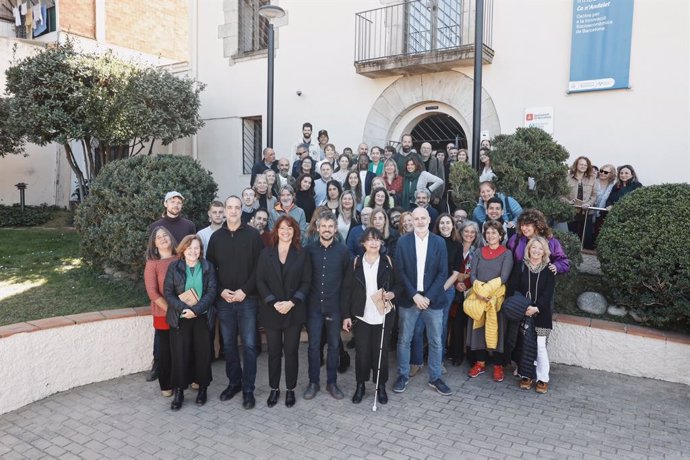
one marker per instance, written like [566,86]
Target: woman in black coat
[533,279]
[190,320]
[361,313]
[283,277]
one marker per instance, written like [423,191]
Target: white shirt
[420,246]
[362,179]
[371,271]
[205,235]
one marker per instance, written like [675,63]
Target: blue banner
[600,47]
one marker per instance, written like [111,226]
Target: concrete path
[586,414]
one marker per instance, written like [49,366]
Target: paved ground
[586,414]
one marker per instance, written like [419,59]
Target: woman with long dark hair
[283,277]
[416,178]
[159,255]
[626,183]
[304,197]
[190,290]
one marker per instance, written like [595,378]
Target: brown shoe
[526,383]
[542,387]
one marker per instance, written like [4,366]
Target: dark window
[253,29]
[251,143]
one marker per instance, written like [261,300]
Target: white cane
[378,367]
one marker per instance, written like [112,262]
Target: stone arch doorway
[409,100]
[439,130]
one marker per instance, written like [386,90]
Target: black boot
[382,395]
[153,373]
[359,394]
[201,396]
[344,360]
[290,398]
[178,398]
[273,398]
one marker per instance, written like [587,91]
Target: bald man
[422,260]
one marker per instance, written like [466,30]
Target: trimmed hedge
[12,216]
[571,246]
[464,181]
[645,254]
[127,196]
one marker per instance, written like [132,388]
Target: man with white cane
[369,312]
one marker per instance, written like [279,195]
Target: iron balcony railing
[418,26]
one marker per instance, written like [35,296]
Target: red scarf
[489,253]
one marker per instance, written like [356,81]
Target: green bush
[531,153]
[645,254]
[127,196]
[571,246]
[464,181]
[12,216]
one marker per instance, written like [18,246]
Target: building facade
[158,35]
[371,70]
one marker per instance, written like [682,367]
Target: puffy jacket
[511,210]
[175,281]
[485,314]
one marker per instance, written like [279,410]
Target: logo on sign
[529,116]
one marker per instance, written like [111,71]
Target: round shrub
[464,181]
[127,196]
[645,254]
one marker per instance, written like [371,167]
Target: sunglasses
[604,172]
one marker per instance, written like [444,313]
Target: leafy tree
[529,155]
[10,140]
[114,109]
[464,181]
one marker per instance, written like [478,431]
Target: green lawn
[42,275]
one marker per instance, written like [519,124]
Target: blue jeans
[315,321]
[239,318]
[433,320]
[450,295]
[417,357]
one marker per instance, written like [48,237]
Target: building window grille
[253,29]
[251,143]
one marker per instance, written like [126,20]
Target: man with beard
[309,143]
[406,150]
[323,141]
[179,227]
[331,277]
[260,222]
[284,177]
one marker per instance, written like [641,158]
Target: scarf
[409,187]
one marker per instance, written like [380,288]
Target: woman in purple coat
[532,223]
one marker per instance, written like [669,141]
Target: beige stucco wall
[315,54]
[612,351]
[37,364]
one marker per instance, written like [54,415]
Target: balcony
[419,36]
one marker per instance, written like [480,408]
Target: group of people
[355,247]
[594,187]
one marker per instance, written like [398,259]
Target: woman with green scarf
[417,178]
[190,290]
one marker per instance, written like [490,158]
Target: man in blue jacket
[423,264]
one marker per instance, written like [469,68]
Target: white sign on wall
[539,117]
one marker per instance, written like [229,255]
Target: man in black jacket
[330,286]
[234,251]
[268,162]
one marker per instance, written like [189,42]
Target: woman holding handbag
[371,317]
[190,290]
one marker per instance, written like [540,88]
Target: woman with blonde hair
[533,279]
[263,191]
